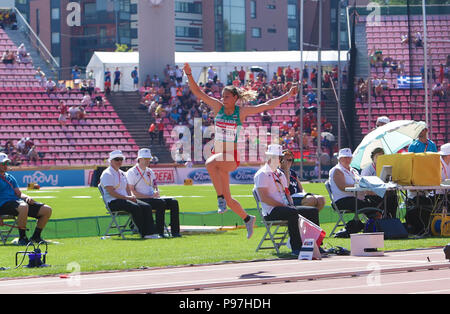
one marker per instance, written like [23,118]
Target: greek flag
[406,82]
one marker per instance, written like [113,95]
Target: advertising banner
[50,178]
[242,175]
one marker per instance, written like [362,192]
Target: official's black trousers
[160,205]
[141,213]
[291,215]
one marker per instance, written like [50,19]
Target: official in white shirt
[342,176]
[119,197]
[273,191]
[142,184]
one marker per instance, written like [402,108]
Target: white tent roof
[261,57]
[116,57]
[223,62]
[257,57]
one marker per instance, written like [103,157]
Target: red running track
[417,271]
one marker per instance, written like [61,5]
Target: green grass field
[86,202]
[87,254]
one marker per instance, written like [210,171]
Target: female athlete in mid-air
[228,121]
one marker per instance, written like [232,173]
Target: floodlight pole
[339,72]
[319,91]
[425,54]
[301,89]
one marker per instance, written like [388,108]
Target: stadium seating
[405,104]
[26,110]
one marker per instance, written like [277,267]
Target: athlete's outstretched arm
[270,104]
[215,104]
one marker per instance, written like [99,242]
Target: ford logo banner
[243,175]
[200,176]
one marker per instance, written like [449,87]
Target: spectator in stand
[8,57]
[50,86]
[289,73]
[438,90]
[74,112]
[418,40]
[107,82]
[21,145]
[76,73]
[87,101]
[135,77]
[39,73]
[117,77]
[33,154]
[155,81]
[382,121]
[178,74]
[372,58]
[305,74]
[62,119]
[90,75]
[152,132]
[9,147]
[98,100]
[148,82]
[401,68]
[314,78]
[242,76]
[376,85]
[404,39]
[24,56]
[311,98]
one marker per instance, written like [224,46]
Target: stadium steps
[362,70]
[330,111]
[137,122]
[18,37]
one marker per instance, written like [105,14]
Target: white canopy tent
[222,62]
[125,61]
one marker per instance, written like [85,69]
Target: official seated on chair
[15,203]
[272,188]
[142,183]
[343,176]
[119,198]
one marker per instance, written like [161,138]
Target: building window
[292,35]
[55,38]
[271,6]
[272,30]
[90,11]
[253,9]
[292,11]
[256,32]
[181,31]
[233,24]
[188,7]
[55,14]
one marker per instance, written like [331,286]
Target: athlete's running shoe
[222,205]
